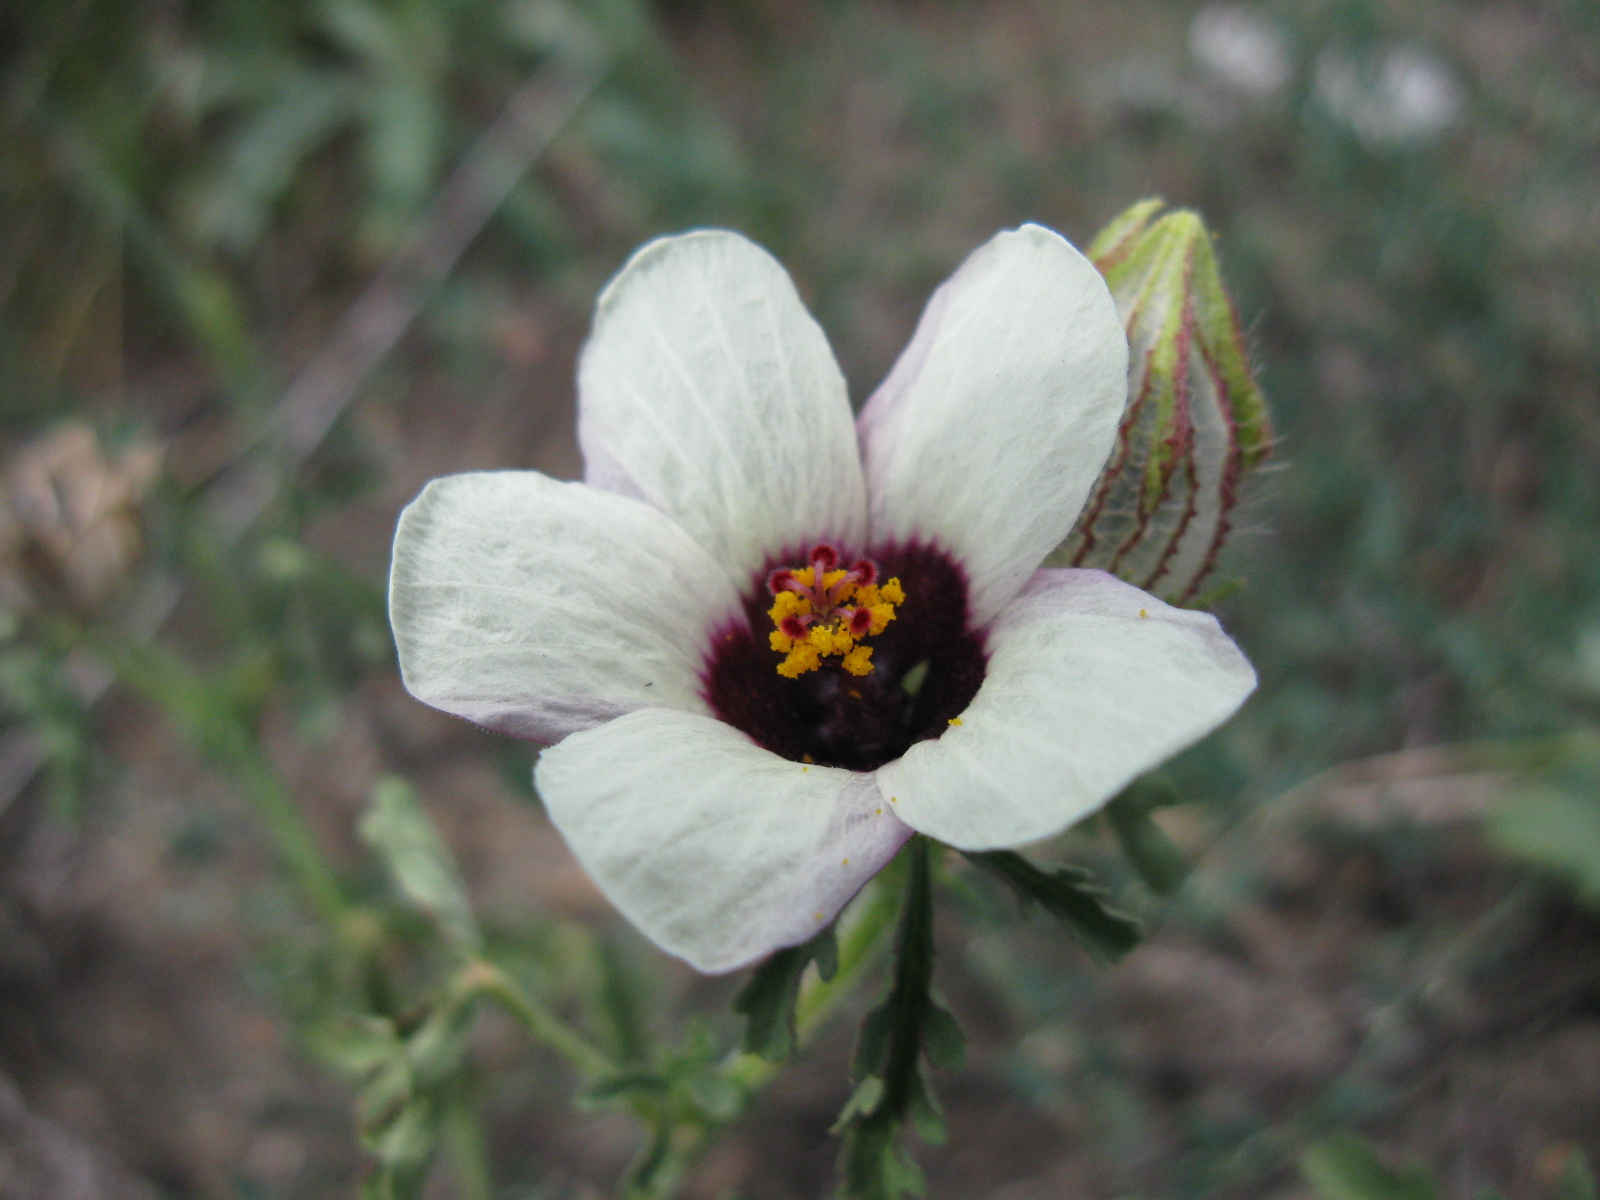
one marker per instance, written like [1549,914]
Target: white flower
[634,622]
[1240,46]
[1403,94]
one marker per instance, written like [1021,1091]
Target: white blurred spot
[1241,47]
[1403,94]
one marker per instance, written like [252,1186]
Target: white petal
[539,608]
[718,850]
[1090,683]
[989,431]
[707,389]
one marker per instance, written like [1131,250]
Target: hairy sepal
[1195,422]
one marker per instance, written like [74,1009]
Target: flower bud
[1195,421]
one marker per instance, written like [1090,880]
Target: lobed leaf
[1067,895]
[399,830]
[768,998]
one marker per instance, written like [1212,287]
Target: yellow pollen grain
[955,720]
[806,758]
[1143,614]
[801,659]
[880,812]
[882,614]
[847,862]
[894,799]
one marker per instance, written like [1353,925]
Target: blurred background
[266,266]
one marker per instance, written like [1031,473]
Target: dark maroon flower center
[926,667]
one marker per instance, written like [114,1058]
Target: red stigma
[860,622]
[865,572]
[824,557]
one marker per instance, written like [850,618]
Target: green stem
[486,979]
[913,975]
[469,1152]
[297,847]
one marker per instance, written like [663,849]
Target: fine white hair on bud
[1195,422]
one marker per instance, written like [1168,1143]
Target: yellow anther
[833,577]
[827,639]
[801,659]
[882,614]
[788,604]
[803,575]
[858,661]
[780,641]
[893,592]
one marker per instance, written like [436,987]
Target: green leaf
[863,1102]
[1555,828]
[927,1118]
[875,1166]
[439,1044]
[398,829]
[1067,895]
[768,998]
[1577,1180]
[619,1005]
[713,1093]
[357,1044]
[1149,851]
[406,1143]
[1344,1166]
[872,1043]
[628,1085]
[942,1039]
